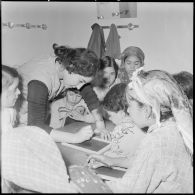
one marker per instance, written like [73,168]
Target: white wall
[165,31]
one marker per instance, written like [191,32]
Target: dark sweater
[38,103]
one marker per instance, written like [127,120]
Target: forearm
[120,162]
[61,136]
[98,119]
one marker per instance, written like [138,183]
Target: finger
[109,136]
[90,159]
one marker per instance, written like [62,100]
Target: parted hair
[115,99]
[132,51]
[108,61]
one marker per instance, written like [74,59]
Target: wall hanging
[114,10]
[27,25]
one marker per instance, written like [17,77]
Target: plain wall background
[165,32]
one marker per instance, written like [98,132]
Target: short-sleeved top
[42,69]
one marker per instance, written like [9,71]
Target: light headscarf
[159,90]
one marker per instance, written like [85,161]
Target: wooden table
[72,156]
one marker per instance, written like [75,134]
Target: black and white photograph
[96,97]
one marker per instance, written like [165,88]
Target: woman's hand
[97,160]
[84,134]
[104,134]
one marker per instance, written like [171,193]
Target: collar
[162,124]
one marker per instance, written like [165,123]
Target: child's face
[131,64]
[73,98]
[116,117]
[109,74]
[10,95]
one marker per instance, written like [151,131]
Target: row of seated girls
[72,105]
[152,138]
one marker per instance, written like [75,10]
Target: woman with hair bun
[46,77]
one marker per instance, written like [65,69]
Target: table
[72,156]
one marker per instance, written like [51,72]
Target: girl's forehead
[86,79]
[109,69]
[73,92]
[132,57]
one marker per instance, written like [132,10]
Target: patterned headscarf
[158,89]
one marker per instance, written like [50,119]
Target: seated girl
[126,136]
[29,156]
[163,161]
[73,106]
[110,71]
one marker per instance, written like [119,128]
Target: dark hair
[108,61]
[80,61]
[185,81]
[135,51]
[105,62]
[115,99]
[8,76]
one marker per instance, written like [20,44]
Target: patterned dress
[161,164]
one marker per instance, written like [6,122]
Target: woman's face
[137,112]
[72,80]
[131,64]
[10,95]
[109,74]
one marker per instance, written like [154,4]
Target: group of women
[163,161]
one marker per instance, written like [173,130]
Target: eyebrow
[134,99]
[133,61]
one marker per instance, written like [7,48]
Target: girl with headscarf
[163,161]
[132,58]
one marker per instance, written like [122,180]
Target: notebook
[93,146]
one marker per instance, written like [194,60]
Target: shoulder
[59,102]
